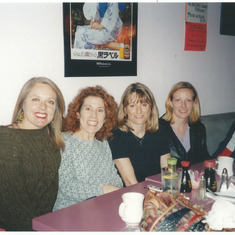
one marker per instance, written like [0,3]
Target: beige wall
[31,44]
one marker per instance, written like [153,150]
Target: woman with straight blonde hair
[184,130]
[30,155]
[138,147]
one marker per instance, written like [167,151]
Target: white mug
[224,162]
[131,209]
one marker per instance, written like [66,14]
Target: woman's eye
[87,108]
[52,102]
[177,100]
[101,110]
[132,105]
[35,99]
[189,100]
[144,104]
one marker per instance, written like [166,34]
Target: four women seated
[97,137]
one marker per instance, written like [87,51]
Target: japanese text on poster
[195,26]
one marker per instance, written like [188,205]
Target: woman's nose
[94,114]
[43,105]
[138,109]
[183,103]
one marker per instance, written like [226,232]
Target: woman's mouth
[41,115]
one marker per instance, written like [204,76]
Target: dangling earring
[52,124]
[126,116]
[20,117]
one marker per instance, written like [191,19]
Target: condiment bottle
[186,184]
[121,48]
[127,45]
[202,188]
[224,181]
[171,163]
[210,175]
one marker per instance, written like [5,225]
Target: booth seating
[217,126]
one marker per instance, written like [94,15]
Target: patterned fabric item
[87,38]
[163,213]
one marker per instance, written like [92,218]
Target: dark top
[224,143]
[28,176]
[145,158]
[198,151]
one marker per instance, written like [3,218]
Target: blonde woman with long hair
[184,130]
[30,155]
[138,147]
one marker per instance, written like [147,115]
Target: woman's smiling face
[182,103]
[39,107]
[91,116]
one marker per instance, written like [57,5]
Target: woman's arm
[163,160]
[126,170]
[109,188]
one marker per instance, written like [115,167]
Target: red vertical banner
[195,36]
[195,26]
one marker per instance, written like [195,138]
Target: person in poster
[105,26]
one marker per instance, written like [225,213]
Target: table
[101,213]
[96,214]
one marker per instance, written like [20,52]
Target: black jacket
[198,151]
[224,143]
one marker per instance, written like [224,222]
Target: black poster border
[96,68]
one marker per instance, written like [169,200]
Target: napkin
[221,215]
[228,192]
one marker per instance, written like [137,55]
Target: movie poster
[100,39]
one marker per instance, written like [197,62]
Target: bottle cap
[209,163]
[172,161]
[202,177]
[185,163]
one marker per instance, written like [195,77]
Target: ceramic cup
[224,162]
[131,209]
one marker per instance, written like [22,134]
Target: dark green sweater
[28,176]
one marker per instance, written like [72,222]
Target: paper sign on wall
[195,26]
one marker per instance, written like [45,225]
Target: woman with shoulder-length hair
[138,147]
[184,130]
[30,155]
[87,169]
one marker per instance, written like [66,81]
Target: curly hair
[72,124]
[195,115]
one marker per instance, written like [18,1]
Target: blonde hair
[55,128]
[143,95]
[195,115]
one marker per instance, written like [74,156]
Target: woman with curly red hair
[87,169]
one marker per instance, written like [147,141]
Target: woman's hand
[96,25]
[109,188]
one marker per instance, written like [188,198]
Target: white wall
[31,44]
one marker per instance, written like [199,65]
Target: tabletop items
[164,213]
[74,218]
[202,188]
[131,209]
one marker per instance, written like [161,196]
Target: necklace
[140,140]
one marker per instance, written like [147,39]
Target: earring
[126,116]
[20,117]
[52,124]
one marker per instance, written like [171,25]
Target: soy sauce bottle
[186,184]
[209,173]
